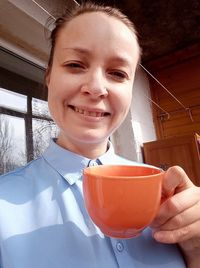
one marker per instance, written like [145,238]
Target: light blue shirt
[44,223]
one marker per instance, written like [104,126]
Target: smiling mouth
[88,113]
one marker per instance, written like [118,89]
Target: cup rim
[93,171]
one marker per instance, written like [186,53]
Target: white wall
[21,33]
[138,126]
[124,141]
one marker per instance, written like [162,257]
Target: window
[13,100]
[12,143]
[25,123]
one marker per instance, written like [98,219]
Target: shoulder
[21,173]
[23,184]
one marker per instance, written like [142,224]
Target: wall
[138,126]
[23,34]
[24,27]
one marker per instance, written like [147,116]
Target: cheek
[57,91]
[55,96]
[63,86]
[121,100]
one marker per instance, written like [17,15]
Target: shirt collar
[70,165]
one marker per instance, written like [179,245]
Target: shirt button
[120,246]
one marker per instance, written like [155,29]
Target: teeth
[93,114]
[87,113]
[99,114]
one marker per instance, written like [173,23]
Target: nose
[95,85]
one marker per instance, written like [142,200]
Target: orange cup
[122,200]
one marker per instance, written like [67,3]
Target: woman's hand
[178,220]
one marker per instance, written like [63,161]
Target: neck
[89,150]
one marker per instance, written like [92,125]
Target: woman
[90,74]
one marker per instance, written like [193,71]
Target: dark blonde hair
[87,7]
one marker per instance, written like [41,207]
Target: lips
[88,112]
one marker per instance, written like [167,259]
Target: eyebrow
[78,50]
[123,60]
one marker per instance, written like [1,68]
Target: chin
[91,138]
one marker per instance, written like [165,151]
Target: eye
[74,65]
[118,75]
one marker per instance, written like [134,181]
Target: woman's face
[90,80]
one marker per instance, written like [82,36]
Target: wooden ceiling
[164,26]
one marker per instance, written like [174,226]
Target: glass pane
[40,107]
[43,131]
[12,143]
[12,100]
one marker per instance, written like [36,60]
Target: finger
[175,180]
[176,204]
[185,218]
[179,235]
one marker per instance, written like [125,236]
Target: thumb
[175,181]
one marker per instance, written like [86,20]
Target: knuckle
[177,221]
[178,235]
[184,231]
[176,170]
[173,205]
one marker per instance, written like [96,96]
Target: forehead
[95,28]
